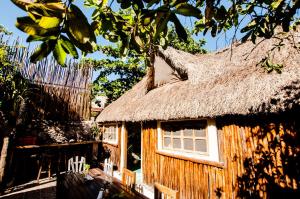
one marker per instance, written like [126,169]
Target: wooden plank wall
[252,168]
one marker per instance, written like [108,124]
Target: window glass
[200,145]
[188,144]
[185,136]
[200,132]
[177,133]
[110,133]
[167,142]
[188,132]
[177,143]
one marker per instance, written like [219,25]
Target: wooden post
[95,151]
[3,157]
[124,139]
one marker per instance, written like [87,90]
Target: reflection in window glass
[167,142]
[200,145]
[188,144]
[177,133]
[176,143]
[200,132]
[188,132]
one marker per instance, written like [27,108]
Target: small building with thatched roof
[217,125]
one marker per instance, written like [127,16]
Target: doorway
[134,147]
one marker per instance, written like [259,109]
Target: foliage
[95,130]
[14,88]
[4,31]
[190,45]
[61,26]
[118,74]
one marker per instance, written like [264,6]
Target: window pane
[188,144]
[167,142]
[200,145]
[167,133]
[188,132]
[177,143]
[176,129]
[177,132]
[200,132]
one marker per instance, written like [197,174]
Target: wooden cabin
[217,125]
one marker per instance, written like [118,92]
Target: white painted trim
[159,140]
[123,158]
[142,176]
[117,134]
[212,142]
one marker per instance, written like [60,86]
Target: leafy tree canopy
[63,28]
[117,74]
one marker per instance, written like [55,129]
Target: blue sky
[9,12]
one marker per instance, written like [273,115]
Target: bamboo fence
[63,92]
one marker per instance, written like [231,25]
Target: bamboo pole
[4,152]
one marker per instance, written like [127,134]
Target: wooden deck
[74,185]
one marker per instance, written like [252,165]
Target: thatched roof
[228,82]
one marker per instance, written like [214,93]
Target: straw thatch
[228,82]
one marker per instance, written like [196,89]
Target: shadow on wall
[273,170]
[50,115]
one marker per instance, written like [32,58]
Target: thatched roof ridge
[228,82]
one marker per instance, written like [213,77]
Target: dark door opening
[134,146]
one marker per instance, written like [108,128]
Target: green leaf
[79,30]
[249,26]
[214,29]
[68,46]
[22,3]
[49,22]
[276,4]
[59,54]
[161,25]
[179,28]
[47,9]
[26,24]
[42,51]
[125,4]
[253,37]
[146,21]
[188,10]
[39,38]
[138,40]
[151,3]
[245,38]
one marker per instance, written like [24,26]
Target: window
[188,136]
[191,138]
[110,134]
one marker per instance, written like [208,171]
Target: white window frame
[117,134]
[212,153]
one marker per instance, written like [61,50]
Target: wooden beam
[124,141]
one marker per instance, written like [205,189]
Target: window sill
[110,143]
[196,160]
